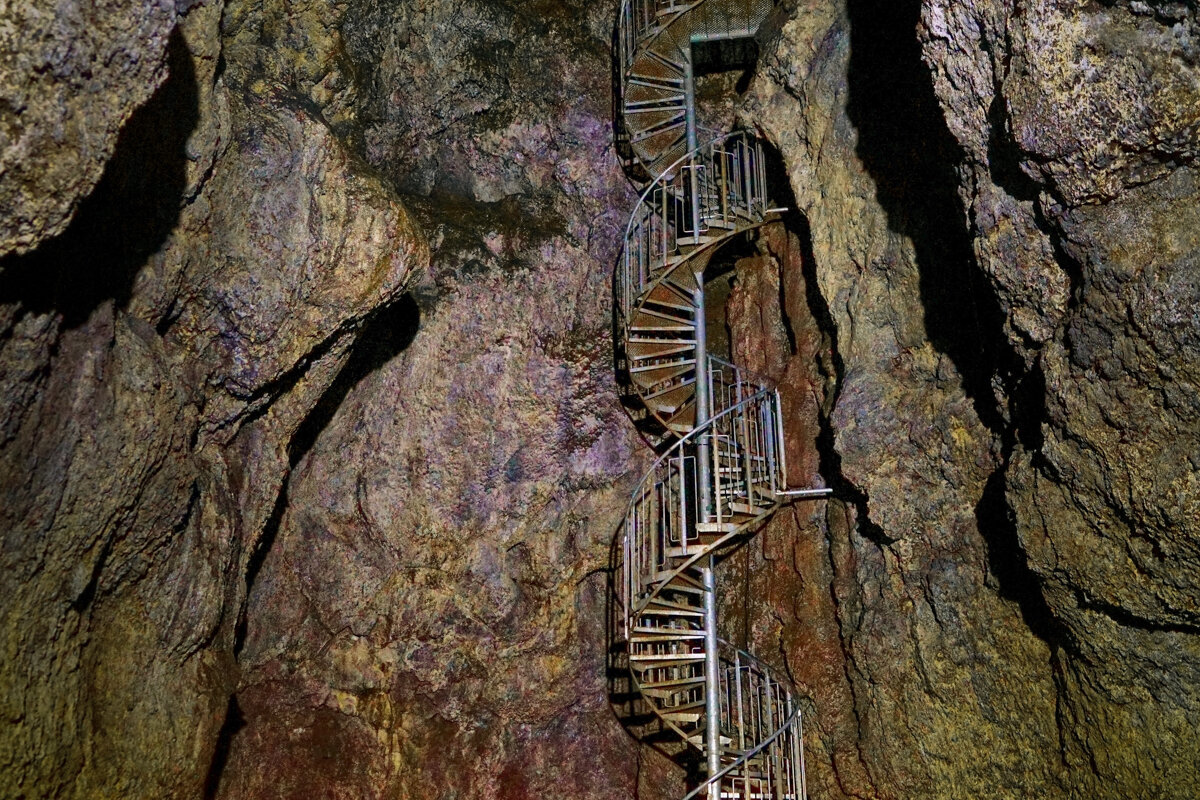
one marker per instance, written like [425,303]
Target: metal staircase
[721,472]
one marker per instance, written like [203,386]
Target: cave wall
[1002,211]
[161,347]
[917,643]
[1079,184]
[431,615]
[311,452]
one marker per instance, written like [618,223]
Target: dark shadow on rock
[906,147]
[386,334]
[1004,157]
[1014,580]
[126,218]
[833,368]
[234,722]
[829,459]
[997,523]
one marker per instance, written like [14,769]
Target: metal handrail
[655,15]
[640,492]
[720,481]
[740,192]
[795,717]
[639,20]
[629,579]
[633,606]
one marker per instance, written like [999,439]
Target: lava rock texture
[1002,201]
[311,453]
[159,355]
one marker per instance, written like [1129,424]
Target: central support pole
[712,664]
[703,401]
[712,678]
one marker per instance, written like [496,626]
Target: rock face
[308,489]
[916,643]
[1003,217]
[159,357]
[1080,184]
[432,610]
[72,76]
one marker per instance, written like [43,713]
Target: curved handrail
[632,612]
[629,36]
[721,479]
[652,473]
[670,169]
[637,20]
[740,189]
[795,717]
[641,23]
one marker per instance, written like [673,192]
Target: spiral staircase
[721,472]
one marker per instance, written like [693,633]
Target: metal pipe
[779,438]
[712,688]
[683,526]
[689,87]
[799,748]
[801,494]
[703,404]
[746,451]
[676,205]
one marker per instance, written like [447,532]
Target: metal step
[675,685]
[655,82]
[659,362]
[667,103]
[655,660]
[654,636]
[664,328]
[648,317]
[667,294]
[643,349]
[650,376]
[672,397]
[717,527]
[672,123]
[663,365]
[683,421]
[661,606]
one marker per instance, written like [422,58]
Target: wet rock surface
[311,453]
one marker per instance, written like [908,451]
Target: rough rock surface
[158,357]
[307,489]
[431,611]
[1003,218]
[1080,185]
[71,74]
[917,653]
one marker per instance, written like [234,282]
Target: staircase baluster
[722,473]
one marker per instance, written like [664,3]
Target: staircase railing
[663,508]
[725,473]
[760,717]
[733,197]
